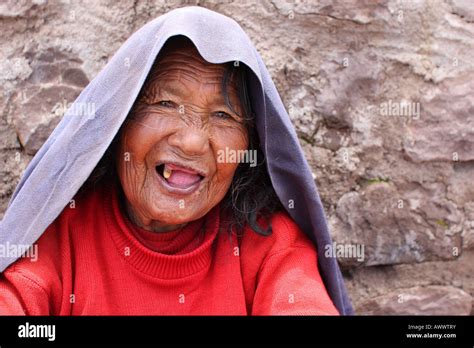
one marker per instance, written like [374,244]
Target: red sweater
[93,261]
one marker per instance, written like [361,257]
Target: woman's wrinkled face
[168,159]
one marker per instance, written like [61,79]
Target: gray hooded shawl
[77,144]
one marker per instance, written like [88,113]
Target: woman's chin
[174,216]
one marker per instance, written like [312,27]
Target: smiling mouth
[179,177]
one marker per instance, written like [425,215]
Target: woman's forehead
[183,64]
[186,59]
[188,69]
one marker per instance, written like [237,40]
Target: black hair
[251,193]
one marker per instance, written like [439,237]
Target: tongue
[182,179]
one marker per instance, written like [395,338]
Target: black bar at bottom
[419,331]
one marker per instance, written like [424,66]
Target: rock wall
[382,97]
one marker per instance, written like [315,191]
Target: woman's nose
[190,140]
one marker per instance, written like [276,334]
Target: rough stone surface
[427,300]
[381,95]
[381,289]
[40,101]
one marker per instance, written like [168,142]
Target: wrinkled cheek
[223,178]
[132,174]
[225,171]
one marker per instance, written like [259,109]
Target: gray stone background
[397,182]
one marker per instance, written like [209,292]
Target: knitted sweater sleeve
[21,295]
[288,281]
[35,287]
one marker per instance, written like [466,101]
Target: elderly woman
[186,193]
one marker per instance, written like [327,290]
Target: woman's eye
[222,114]
[166,103]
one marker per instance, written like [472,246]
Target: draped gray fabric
[77,144]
